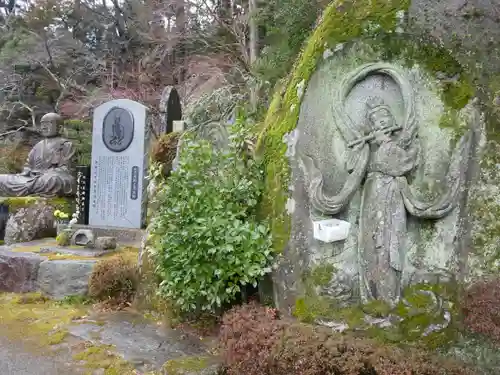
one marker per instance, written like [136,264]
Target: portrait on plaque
[118,129]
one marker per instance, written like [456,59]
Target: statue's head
[49,124]
[379,114]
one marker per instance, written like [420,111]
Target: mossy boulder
[32,218]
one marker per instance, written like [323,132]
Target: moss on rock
[186,365]
[427,314]
[35,318]
[15,203]
[341,23]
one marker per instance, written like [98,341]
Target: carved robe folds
[381,154]
[47,172]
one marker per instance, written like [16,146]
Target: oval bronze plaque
[118,129]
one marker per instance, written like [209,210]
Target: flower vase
[60,222]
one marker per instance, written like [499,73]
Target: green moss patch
[102,357]
[35,318]
[128,252]
[422,307]
[186,365]
[16,203]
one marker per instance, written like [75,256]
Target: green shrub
[80,133]
[206,241]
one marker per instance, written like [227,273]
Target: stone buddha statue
[47,172]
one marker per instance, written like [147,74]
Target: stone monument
[370,201]
[171,108]
[119,164]
[382,157]
[48,170]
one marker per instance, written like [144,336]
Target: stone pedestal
[124,236]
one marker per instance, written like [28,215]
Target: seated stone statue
[47,172]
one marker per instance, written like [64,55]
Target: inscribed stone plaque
[119,165]
[118,129]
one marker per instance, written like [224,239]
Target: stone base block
[123,236]
[31,267]
[19,271]
[61,278]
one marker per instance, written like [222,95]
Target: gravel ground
[15,359]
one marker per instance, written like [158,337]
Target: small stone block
[83,237]
[105,243]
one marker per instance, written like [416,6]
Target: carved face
[48,128]
[381,118]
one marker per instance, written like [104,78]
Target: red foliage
[482,309]
[255,342]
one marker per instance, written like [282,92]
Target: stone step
[43,266]
[124,236]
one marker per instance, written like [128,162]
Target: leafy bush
[115,279]
[254,341]
[482,309]
[80,133]
[205,239]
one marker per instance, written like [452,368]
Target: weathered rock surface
[61,278]
[137,340]
[30,223]
[18,271]
[105,243]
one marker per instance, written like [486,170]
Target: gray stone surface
[83,237]
[17,359]
[124,236]
[377,116]
[119,165]
[136,340]
[471,29]
[83,252]
[105,243]
[30,223]
[18,271]
[61,278]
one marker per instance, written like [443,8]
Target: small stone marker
[170,105]
[119,164]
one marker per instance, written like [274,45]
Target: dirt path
[16,359]
[41,337]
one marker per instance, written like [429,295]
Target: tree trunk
[253,44]
[180,28]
